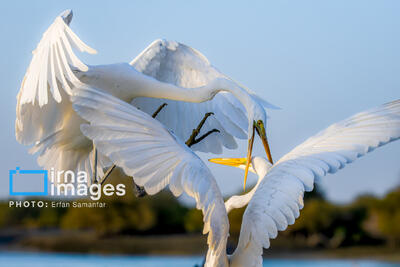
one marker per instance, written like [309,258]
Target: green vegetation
[368,221]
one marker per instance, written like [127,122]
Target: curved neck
[245,251]
[237,202]
[125,82]
[156,89]
[243,254]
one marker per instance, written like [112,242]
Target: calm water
[14,259]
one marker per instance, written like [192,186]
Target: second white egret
[122,132]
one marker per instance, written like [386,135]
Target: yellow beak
[266,145]
[237,162]
[234,162]
[259,126]
[248,158]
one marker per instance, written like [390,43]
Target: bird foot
[138,190]
[192,139]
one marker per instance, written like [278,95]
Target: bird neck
[237,202]
[198,94]
[125,82]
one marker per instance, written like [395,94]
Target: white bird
[277,198]
[164,70]
[122,132]
[146,150]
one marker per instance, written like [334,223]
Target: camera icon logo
[28,182]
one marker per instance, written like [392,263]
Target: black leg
[108,172]
[192,139]
[94,171]
[138,190]
[198,140]
[159,109]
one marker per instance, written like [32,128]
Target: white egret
[164,70]
[122,132]
[146,150]
[276,200]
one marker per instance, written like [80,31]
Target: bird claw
[138,190]
[192,139]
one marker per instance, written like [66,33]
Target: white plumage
[175,63]
[164,70]
[147,151]
[156,158]
[278,196]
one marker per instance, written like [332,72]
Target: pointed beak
[248,158]
[234,162]
[261,132]
[259,127]
[240,162]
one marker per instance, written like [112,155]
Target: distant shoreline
[82,242]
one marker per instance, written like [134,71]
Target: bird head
[257,165]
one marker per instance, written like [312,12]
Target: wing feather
[155,158]
[44,114]
[181,65]
[53,49]
[279,194]
[50,71]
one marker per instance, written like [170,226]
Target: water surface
[30,259]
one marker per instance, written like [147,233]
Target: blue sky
[321,61]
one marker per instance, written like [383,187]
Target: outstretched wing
[181,65]
[279,197]
[49,77]
[147,151]
[44,114]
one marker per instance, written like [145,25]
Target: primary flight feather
[155,158]
[276,200]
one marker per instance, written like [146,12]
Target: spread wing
[279,197]
[48,81]
[44,114]
[147,151]
[181,65]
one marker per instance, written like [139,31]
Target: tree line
[366,221]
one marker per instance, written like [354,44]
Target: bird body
[65,106]
[276,200]
[166,71]
[121,132]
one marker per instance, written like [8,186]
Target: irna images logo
[28,182]
[59,183]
